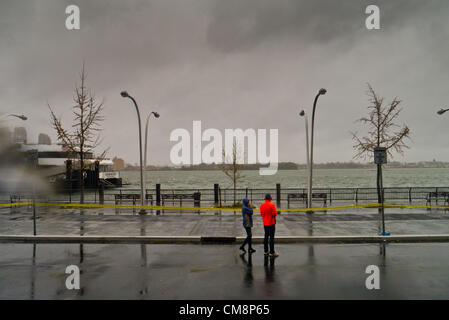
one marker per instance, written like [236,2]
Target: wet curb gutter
[99,239]
[219,240]
[362,239]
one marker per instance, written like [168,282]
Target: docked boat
[54,161]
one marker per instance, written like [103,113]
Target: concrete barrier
[218,240]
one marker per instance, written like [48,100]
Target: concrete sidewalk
[360,222]
[123,255]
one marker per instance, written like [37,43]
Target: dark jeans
[269,236]
[248,238]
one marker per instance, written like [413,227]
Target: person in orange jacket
[268,213]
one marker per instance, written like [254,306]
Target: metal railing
[225,196]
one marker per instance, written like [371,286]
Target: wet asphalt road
[116,271]
[407,271]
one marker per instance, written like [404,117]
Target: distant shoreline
[284,166]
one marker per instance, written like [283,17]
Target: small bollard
[101,194]
[278,194]
[216,191]
[196,199]
[158,194]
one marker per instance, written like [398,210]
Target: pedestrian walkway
[107,221]
[137,270]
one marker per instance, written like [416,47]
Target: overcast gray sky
[232,64]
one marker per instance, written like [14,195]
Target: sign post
[34,158]
[380,157]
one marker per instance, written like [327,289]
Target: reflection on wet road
[306,271]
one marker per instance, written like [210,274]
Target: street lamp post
[21,116]
[309,195]
[156,115]
[303,114]
[125,94]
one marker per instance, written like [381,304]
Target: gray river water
[329,178]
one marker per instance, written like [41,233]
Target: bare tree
[84,134]
[231,168]
[383,131]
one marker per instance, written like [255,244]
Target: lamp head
[441,111]
[21,117]
[124,94]
[322,91]
[156,115]
[302,113]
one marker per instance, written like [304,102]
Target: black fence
[283,197]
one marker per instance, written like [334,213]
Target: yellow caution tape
[15,204]
[86,205]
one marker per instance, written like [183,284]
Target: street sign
[380,155]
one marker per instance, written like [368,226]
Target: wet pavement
[107,221]
[407,271]
[183,271]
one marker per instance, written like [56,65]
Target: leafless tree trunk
[232,168]
[84,136]
[383,131]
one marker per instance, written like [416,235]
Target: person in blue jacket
[247,215]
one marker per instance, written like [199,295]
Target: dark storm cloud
[234,63]
[239,25]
